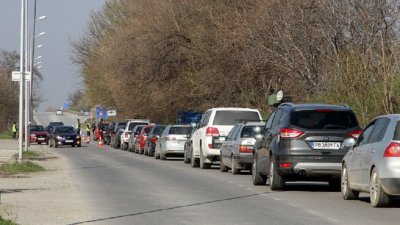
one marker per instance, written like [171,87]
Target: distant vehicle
[64,135]
[38,134]
[187,117]
[302,142]
[150,143]
[132,138]
[59,112]
[128,130]
[372,163]
[237,149]
[115,135]
[214,125]
[171,141]
[141,138]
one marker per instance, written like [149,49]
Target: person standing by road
[78,126]
[100,128]
[88,128]
[14,130]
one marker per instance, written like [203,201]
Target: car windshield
[225,117]
[158,130]
[323,119]
[139,129]
[36,128]
[65,130]
[133,125]
[178,130]
[249,131]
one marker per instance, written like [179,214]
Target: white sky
[67,20]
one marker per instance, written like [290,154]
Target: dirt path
[49,197]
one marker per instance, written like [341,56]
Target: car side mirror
[259,137]
[349,142]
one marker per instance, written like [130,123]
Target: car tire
[255,174]
[222,166]
[347,193]
[234,168]
[203,164]
[377,196]
[193,161]
[276,182]
[186,159]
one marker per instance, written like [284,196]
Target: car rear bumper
[391,186]
[310,169]
[244,159]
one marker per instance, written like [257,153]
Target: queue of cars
[297,142]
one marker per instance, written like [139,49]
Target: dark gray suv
[303,142]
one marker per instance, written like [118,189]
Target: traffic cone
[87,140]
[100,142]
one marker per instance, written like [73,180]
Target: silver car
[237,149]
[172,141]
[372,163]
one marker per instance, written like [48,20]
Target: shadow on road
[309,187]
[170,208]
[395,202]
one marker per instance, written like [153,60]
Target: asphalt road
[126,188]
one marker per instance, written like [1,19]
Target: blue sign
[66,105]
[187,117]
[101,113]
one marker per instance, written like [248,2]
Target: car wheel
[255,174]
[203,164]
[193,161]
[39,143]
[347,193]
[377,196]
[186,159]
[276,182]
[234,168]
[222,166]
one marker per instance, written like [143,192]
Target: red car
[141,139]
[38,134]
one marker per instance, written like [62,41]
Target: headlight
[59,138]
[78,136]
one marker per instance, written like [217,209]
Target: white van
[214,125]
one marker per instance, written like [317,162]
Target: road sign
[66,105]
[16,76]
[101,113]
[112,112]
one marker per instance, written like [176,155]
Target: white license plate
[222,139]
[69,141]
[326,145]
[41,139]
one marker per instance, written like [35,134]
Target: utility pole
[22,79]
[26,83]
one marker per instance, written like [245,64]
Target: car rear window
[323,119]
[139,129]
[133,125]
[158,130]
[396,135]
[178,130]
[249,131]
[226,117]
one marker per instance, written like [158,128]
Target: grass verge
[6,222]
[6,135]
[24,167]
[30,155]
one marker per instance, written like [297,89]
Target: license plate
[41,139]
[326,145]
[221,139]
[69,141]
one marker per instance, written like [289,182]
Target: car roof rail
[246,121]
[287,103]
[344,105]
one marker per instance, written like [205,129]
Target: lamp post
[21,80]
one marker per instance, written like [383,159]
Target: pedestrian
[100,128]
[14,130]
[78,126]
[88,128]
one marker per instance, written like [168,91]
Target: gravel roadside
[49,197]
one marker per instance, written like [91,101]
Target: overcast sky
[67,21]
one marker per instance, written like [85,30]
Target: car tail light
[354,133]
[285,165]
[167,138]
[290,133]
[154,139]
[246,149]
[212,131]
[392,150]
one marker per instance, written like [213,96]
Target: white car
[214,125]
[172,141]
[128,130]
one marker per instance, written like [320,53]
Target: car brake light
[246,149]
[392,150]
[354,133]
[285,165]
[170,138]
[212,131]
[290,133]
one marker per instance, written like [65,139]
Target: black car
[115,135]
[302,142]
[107,134]
[150,142]
[53,124]
[64,135]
